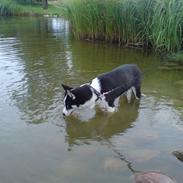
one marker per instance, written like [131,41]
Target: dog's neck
[96,93]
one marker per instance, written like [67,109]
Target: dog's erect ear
[68,91]
[71,94]
[66,88]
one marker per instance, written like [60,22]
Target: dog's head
[80,96]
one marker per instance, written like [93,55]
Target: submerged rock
[153,177]
[178,155]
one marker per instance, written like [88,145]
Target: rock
[178,155]
[153,177]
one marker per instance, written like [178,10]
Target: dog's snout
[63,114]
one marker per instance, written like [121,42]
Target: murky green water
[38,145]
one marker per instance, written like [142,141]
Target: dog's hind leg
[128,94]
[134,92]
[137,92]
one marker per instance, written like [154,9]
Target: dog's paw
[111,109]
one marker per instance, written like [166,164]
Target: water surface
[38,145]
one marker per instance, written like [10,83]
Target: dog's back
[127,75]
[117,82]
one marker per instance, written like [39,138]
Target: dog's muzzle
[66,112]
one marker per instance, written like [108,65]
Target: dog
[104,90]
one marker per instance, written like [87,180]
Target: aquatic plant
[166,27]
[142,23]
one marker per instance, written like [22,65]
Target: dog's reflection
[103,125]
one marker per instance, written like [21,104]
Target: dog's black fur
[107,87]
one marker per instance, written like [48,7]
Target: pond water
[38,145]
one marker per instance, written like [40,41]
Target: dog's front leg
[110,106]
[111,109]
[92,106]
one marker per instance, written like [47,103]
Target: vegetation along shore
[30,7]
[152,24]
[155,24]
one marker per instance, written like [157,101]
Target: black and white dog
[104,90]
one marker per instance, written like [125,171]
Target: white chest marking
[90,103]
[96,84]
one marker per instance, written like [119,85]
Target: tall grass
[167,25]
[8,7]
[28,8]
[149,23]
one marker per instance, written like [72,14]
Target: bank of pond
[29,8]
[144,24]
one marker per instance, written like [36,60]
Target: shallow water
[38,145]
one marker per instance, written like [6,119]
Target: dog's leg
[111,109]
[116,102]
[135,92]
[129,95]
[92,106]
[137,86]
[110,106]
[138,92]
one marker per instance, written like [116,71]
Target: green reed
[147,23]
[166,30]
[8,7]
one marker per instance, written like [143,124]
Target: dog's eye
[68,107]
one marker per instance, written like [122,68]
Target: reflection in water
[36,56]
[103,126]
[39,93]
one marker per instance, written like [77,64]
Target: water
[38,145]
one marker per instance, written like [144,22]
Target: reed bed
[156,24]
[29,8]
[8,8]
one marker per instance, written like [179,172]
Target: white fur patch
[96,84]
[129,95]
[134,92]
[111,109]
[116,102]
[67,112]
[103,104]
[90,103]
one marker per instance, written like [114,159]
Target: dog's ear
[68,91]
[66,88]
[71,94]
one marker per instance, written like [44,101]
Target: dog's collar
[98,94]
